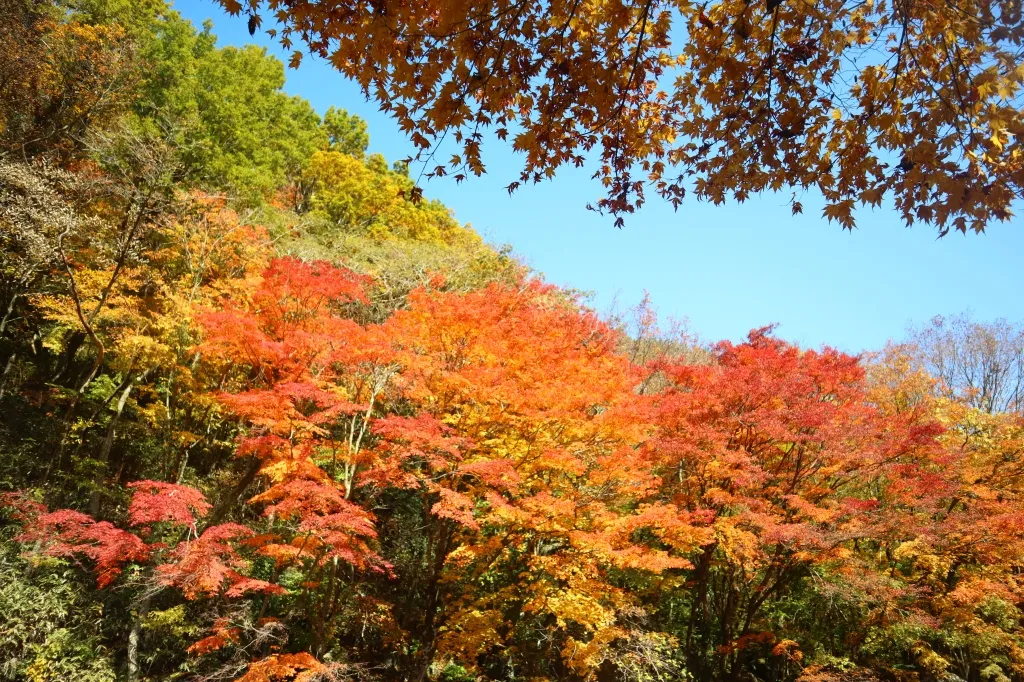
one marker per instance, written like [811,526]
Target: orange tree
[528,519]
[781,457]
[950,548]
[483,479]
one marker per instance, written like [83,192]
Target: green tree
[225,111]
[346,133]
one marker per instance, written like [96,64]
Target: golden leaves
[470,633]
[841,212]
[753,100]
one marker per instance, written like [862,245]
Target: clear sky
[726,268]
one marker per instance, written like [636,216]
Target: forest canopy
[268,415]
[911,103]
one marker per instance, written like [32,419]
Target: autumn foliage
[913,103]
[265,416]
[567,521]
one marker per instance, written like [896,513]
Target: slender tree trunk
[108,443]
[75,342]
[182,464]
[134,639]
[7,370]
[433,603]
[10,311]
[697,628]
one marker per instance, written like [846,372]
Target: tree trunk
[134,638]
[7,370]
[697,631]
[108,443]
[433,598]
[229,501]
[75,342]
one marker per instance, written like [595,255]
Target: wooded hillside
[267,414]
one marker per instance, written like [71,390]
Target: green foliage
[175,626]
[454,672]
[225,112]
[50,628]
[346,133]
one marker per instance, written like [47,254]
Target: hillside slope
[266,414]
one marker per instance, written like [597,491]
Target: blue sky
[726,268]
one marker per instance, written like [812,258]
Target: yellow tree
[138,316]
[369,198]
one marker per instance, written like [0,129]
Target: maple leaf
[455,506]
[65,533]
[201,567]
[158,502]
[301,667]
[222,635]
[733,104]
